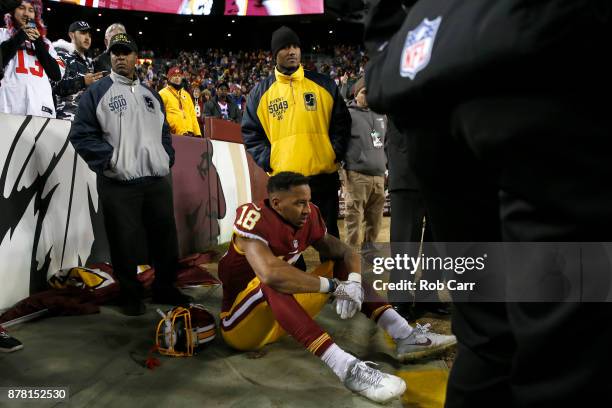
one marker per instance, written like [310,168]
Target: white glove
[349,296]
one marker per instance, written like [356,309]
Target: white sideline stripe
[249,235]
[228,322]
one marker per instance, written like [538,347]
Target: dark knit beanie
[283,37]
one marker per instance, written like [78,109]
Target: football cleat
[422,343]
[372,383]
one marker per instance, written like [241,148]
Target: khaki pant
[365,199]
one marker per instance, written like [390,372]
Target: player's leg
[412,343]
[261,315]
[356,194]
[158,216]
[373,210]
[122,206]
[324,194]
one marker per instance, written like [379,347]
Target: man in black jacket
[79,70]
[505,148]
[409,228]
[221,106]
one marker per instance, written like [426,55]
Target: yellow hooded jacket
[296,122]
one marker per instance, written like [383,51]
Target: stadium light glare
[233,21]
[140,33]
[97,29]
[191,34]
[229,34]
[48,8]
[99,14]
[191,20]
[146,18]
[331,31]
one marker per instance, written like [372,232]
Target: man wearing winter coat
[79,69]
[365,164]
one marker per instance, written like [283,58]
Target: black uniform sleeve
[49,63]
[72,81]
[9,47]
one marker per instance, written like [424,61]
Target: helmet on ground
[184,331]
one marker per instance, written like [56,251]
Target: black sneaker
[169,295]
[8,343]
[133,307]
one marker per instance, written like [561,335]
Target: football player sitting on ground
[265,297]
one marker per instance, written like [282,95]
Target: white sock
[394,324]
[338,360]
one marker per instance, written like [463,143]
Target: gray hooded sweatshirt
[366,153]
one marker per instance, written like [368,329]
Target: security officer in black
[410,231]
[509,141]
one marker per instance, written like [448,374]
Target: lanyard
[178,97]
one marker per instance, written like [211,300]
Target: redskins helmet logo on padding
[184,331]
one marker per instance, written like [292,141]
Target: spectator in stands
[307,133]
[180,112]
[79,69]
[150,73]
[103,61]
[206,96]
[365,165]
[237,97]
[132,158]
[221,106]
[198,102]
[30,61]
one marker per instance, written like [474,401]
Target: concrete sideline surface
[100,358]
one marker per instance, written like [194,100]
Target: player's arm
[274,272]
[331,247]
[46,60]
[349,293]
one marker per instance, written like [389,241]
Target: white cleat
[422,343]
[372,383]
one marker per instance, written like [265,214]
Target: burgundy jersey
[259,221]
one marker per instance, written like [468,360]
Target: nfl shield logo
[418,46]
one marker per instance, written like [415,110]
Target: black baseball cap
[122,40]
[79,26]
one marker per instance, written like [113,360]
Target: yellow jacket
[296,122]
[180,112]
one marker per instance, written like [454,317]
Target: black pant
[324,194]
[136,217]
[531,168]
[407,212]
